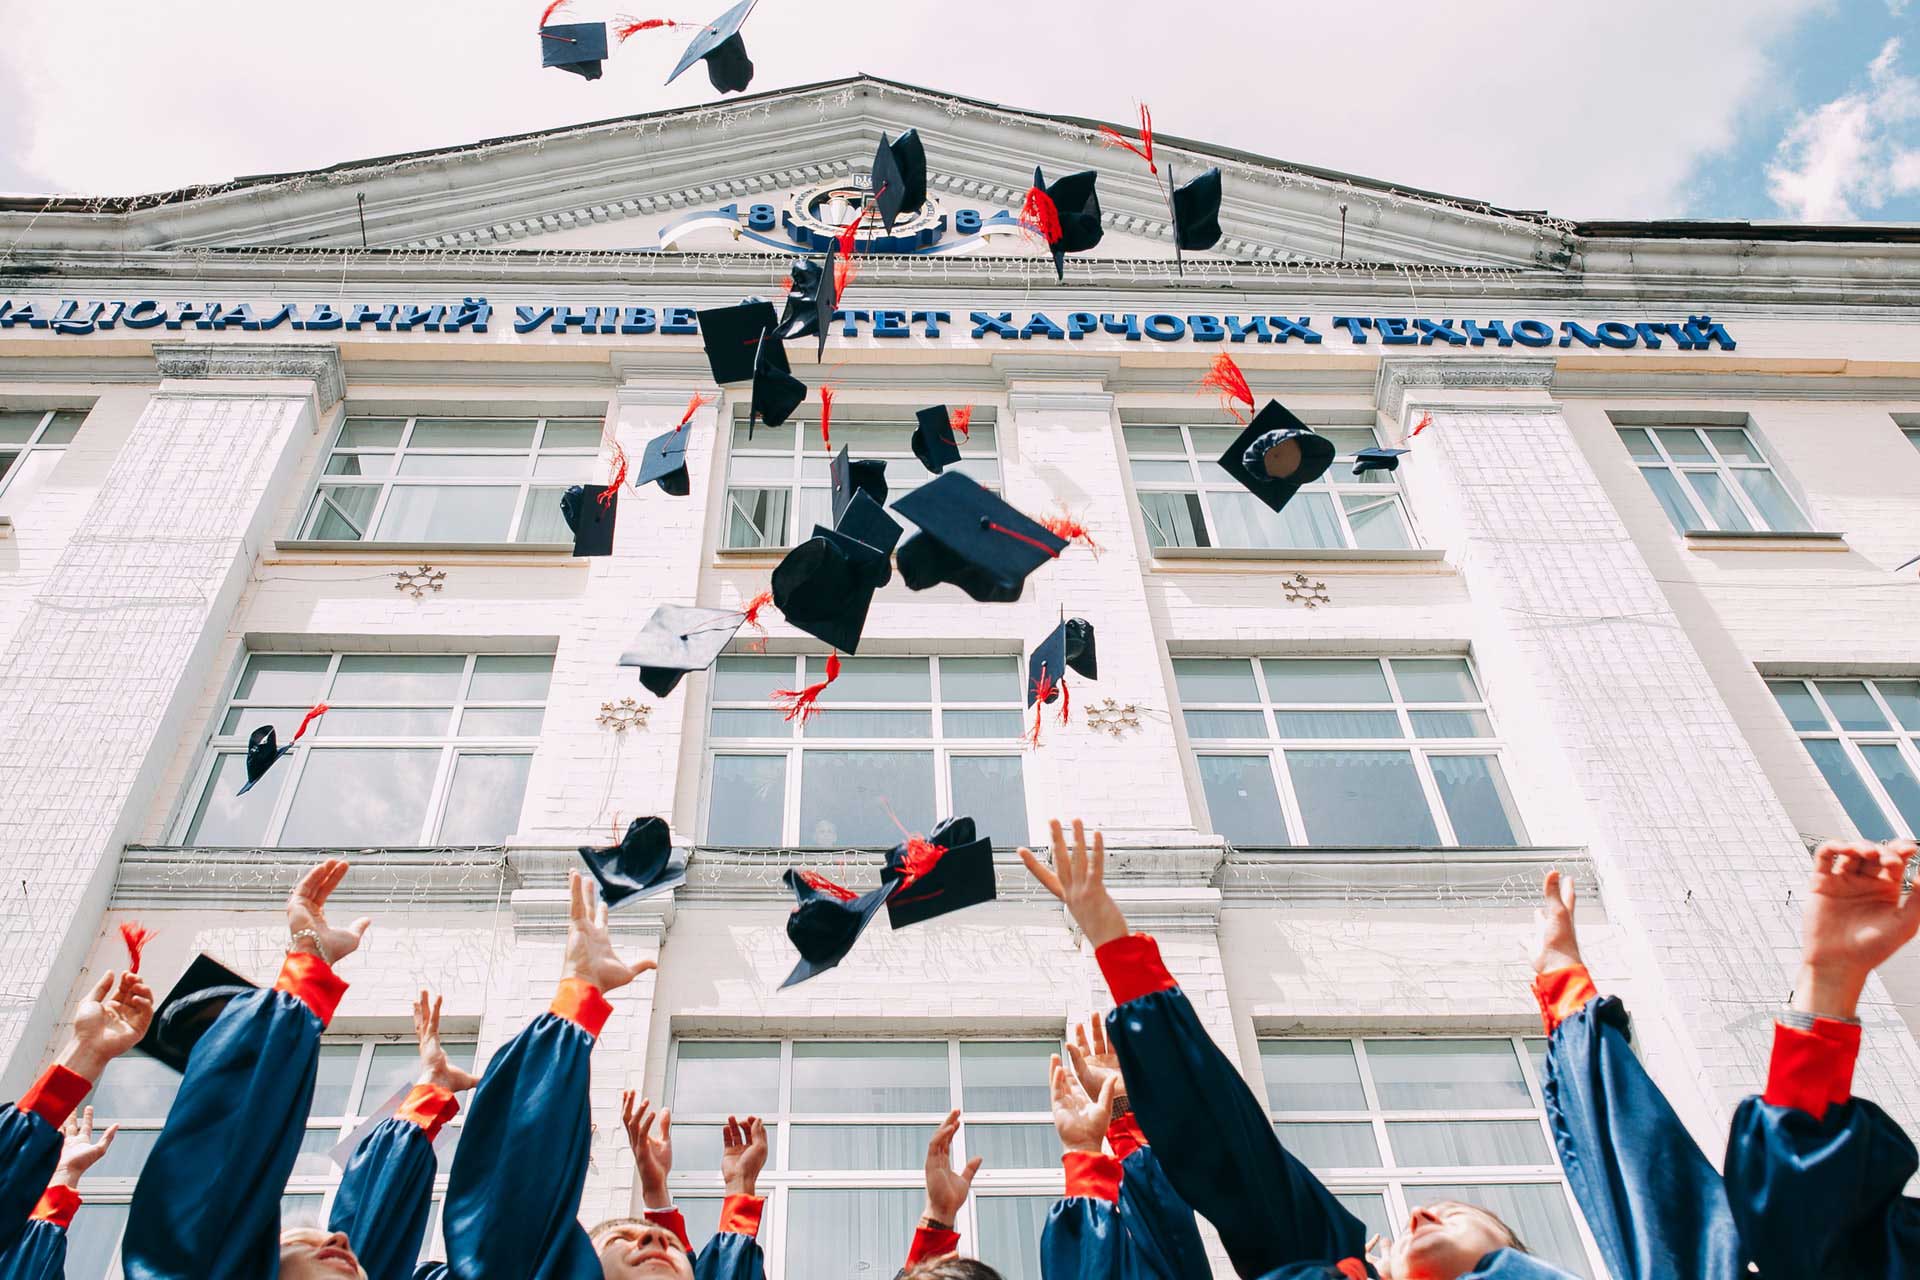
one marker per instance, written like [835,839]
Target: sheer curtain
[1539,1212]
[852,1232]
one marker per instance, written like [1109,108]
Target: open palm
[590,953]
[1855,918]
[307,912]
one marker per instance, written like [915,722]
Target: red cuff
[57,1205]
[674,1221]
[1094,1174]
[741,1215]
[1845,1039]
[931,1242]
[1562,993]
[1132,967]
[580,1002]
[1124,1136]
[311,981]
[55,1094]
[430,1106]
[1812,1070]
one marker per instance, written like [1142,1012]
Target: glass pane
[1378,523]
[1361,798]
[1173,520]
[748,679]
[226,817]
[749,800]
[1242,520]
[1802,711]
[875,680]
[65,425]
[1723,512]
[765,438]
[1154,440]
[726,1077]
[1226,724]
[360,464]
[1330,1146]
[483,805]
[433,513]
[333,1083]
[1435,680]
[702,1213]
[398,677]
[1162,472]
[28,477]
[1014,1146]
[815,510]
[341,511]
[859,1146]
[1215,680]
[1637,443]
[1778,511]
[1006,1076]
[1451,724]
[438,466]
[370,432]
[510,677]
[390,790]
[1683,443]
[980,680]
[870,724]
[129,1152]
[573,433]
[1851,704]
[381,722]
[1010,1228]
[283,677]
[757,517]
[501,722]
[395,1066]
[738,723]
[992,791]
[1896,779]
[1904,697]
[1311,1075]
[849,1233]
[982,724]
[1734,444]
[463,433]
[1347,441]
[92,1238]
[17,426]
[541,520]
[135,1087]
[1831,758]
[697,1148]
[241,721]
[1309,521]
[311,1161]
[1538,1212]
[1673,499]
[1447,1075]
[1242,800]
[1211,442]
[572,468]
[1337,724]
[1474,790]
[1325,680]
[852,798]
[984,471]
[1438,1143]
[1371,1208]
[891,1076]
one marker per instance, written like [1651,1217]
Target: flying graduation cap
[1908,564]
[827,920]
[725,53]
[189,1010]
[899,176]
[665,463]
[1377,459]
[579,47]
[1196,211]
[808,309]
[950,870]
[1276,455]
[678,639]
[1068,647]
[933,438]
[1066,215]
[972,539]
[825,585]
[851,476]
[264,749]
[743,344]
[643,864]
[590,510]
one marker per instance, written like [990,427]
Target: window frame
[35,444]
[1718,464]
[1903,739]
[1913,436]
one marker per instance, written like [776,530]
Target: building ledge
[408,550]
[1763,540]
[1265,559]
[6,526]
[1478,876]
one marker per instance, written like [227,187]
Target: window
[451,479]
[1371,751]
[357,1076]
[1864,735]
[31,443]
[1713,478]
[1913,435]
[418,748]
[778,486]
[848,1124]
[1338,510]
[1392,1123]
[912,739]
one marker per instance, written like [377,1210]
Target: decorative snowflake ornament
[1301,591]
[419,581]
[1113,718]
[624,715]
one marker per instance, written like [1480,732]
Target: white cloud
[1853,153]
[1896,7]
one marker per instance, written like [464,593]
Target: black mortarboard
[961,877]
[868,522]
[1377,460]
[1275,435]
[1078,206]
[809,306]
[665,461]
[1196,211]
[579,47]
[776,392]
[732,335]
[825,924]
[679,638]
[590,519]
[719,42]
[642,864]
[189,1010]
[868,475]
[899,176]
[933,441]
[972,539]
[263,748]
[1914,561]
[1068,647]
[825,586]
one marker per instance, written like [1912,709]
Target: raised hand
[1095,1062]
[1557,946]
[307,915]
[1080,881]
[652,1150]
[946,1190]
[590,954]
[110,1020]
[1855,920]
[80,1152]
[1080,1120]
[743,1154]
[435,1067]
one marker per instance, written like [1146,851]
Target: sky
[1797,110]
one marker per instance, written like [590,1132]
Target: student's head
[310,1253]
[635,1249]
[1444,1239]
[951,1267]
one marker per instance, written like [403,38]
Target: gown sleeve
[386,1194]
[734,1251]
[1656,1205]
[208,1199]
[1209,1132]
[41,1251]
[1083,1238]
[928,1243]
[30,1145]
[1160,1226]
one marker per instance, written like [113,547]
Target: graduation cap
[972,539]
[665,461]
[867,475]
[827,920]
[719,42]
[731,336]
[948,871]
[825,586]
[1196,210]
[589,510]
[677,639]
[1377,460]
[1068,647]
[868,522]
[1276,454]
[264,749]
[808,309]
[189,1010]
[776,392]
[1066,214]
[933,441]
[642,864]
[1914,561]
[579,47]
[899,176]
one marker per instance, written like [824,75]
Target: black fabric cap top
[1196,211]
[728,67]
[824,926]
[776,392]
[579,47]
[867,521]
[263,748]
[1078,205]
[1279,436]
[189,1010]
[825,586]
[933,441]
[868,476]
[899,176]
[1377,459]
[959,878]
[731,336]
[590,519]
[972,539]
[800,315]
[665,462]
[1068,647]
[641,865]
[679,638]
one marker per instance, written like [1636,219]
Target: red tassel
[844,272]
[962,420]
[1066,701]
[800,702]
[1426,420]
[693,407]
[1039,215]
[634,28]
[1065,526]
[1032,542]
[618,477]
[921,858]
[550,10]
[754,606]
[826,416]
[1043,688]
[319,709]
[823,885]
[1226,378]
[1114,138]
[136,937]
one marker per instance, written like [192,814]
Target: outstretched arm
[41,1251]
[947,1191]
[734,1252]
[1083,1237]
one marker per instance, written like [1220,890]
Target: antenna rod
[363,218]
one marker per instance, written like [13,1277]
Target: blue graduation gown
[386,1197]
[40,1253]
[1142,1230]
[1160,1226]
[30,1142]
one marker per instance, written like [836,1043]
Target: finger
[106,1139]
[1048,881]
[1825,856]
[309,887]
[1107,1087]
[100,988]
[626,1107]
[1079,851]
[666,1125]
[70,1126]
[1100,1037]
[730,1133]
[576,907]
[1099,858]
[973,1167]
[1056,1080]
[600,915]
[86,1124]
[1062,864]
[1569,891]
[639,967]
[1079,1057]
[437,1002]
[359,928]
[1550,887]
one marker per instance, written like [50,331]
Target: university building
[1630,605]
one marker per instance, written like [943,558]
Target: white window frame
[1339,483]
[1905,740]
[1274,747]
[793,743]
[1912,434]
[451,745]
[1717,463]
[35,444]
[530,483]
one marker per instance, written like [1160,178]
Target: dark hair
[951,1267]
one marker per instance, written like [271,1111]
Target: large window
[31,443]
[1913,435]
[778,486]
[1188,500]
[357,1075]
[1346,751]
[417,749]
[1713,479]
[451,479]
[907,739]
[848,1124]
[1865,737]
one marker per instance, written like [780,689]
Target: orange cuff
[740,1215]
[580,1002]
[1812,1070]
[55,1094]
[311,981]
[430,1106]
[931,1242]
[1562,993]
[1093,1174]
[57,1205]
[1133,968]
[673,1220]
[1124,1136]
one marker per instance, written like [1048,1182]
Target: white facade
[1621,667]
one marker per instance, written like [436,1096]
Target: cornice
[256,879]
[318,362]
[1413,877]
[1400,374]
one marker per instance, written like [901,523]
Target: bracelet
[314,938]
[932,1223]
[1121,1107]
